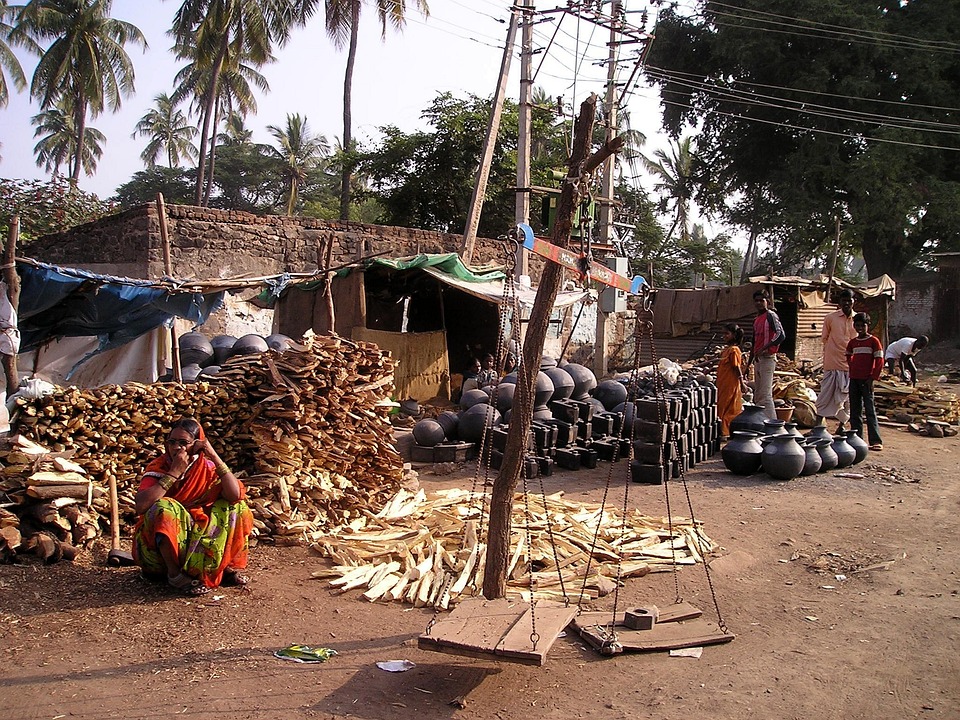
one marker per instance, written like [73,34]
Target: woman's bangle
[167,481]
[222,469]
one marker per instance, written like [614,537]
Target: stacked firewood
[51,503]
[305,429]
[430,551]
[902,403]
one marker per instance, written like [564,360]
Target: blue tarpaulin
[60,302]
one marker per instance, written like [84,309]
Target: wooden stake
[168,271]
[12,280]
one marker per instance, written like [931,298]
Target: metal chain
[661,404]
[534,635]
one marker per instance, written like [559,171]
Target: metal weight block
[641,618]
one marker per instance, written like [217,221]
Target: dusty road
[83,641]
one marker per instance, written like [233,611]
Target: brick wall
[913,311]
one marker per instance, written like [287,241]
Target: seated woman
[194,523]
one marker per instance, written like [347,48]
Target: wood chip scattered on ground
[431,551]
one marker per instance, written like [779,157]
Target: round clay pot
[774,427]
[751,418]
[541,396]
[598,407]
[611,393]
[783,458]
[510,378]
[190,372]
[473,397]
[812,460]
[629,412]
[503,398]
[449,421]
[547,362]
[791,429]
[278,342]
[845,453]
[562,382]
[828,458]
[222,348]
[859,445]
[250,345]
[195,349]
[583,378]
[741,455]
[820,431]
[209,371]
[474,420]
[428,432]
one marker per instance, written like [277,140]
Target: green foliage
[47,207]
[810,109]
[176,184]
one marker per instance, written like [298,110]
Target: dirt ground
[843,593]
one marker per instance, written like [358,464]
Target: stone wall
[912,313]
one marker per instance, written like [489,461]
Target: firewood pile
[902,403]
[430,551]
[55,514]
[304,430]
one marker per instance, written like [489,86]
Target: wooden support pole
[833,262]
[521,416]
[12,280]
[168,271]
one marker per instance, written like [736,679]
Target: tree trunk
[209,108]
[12,280]
[208,187]
[346,172]
[80,122]
[501,499]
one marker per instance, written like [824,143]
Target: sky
[457,49]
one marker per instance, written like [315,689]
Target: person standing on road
[767,336]
[865,359]
[833,400]
[903,351]
[730,382]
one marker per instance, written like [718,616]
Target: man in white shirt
[903,351]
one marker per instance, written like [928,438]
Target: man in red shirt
[767,336]
[865,359]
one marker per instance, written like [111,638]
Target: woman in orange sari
[730,382]
[194,524]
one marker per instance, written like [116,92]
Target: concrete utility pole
[493,128]
[606,207]
[523,139]
[521,416]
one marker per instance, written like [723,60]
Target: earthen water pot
[250,345]
[741,455]
[563,383]
[820,431]
[473,397]
[195,349]
[190,372]
[583,378]
[449,421]
[774,427]
[812,460]
[428,432]
[541,396]
[783,458]
[503,396]
[828,458]
[791,429]
[222,348]
[845,453]
[751,419]
[474,420]
[278,342]
[611,393]
[859,445]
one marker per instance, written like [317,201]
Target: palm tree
[8,61]
[211,32]
[342,22]
[169,130]
[58,138]
[300,151]
[85,67]
[675,180]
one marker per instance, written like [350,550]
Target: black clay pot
[250,345]
[820,431]
[209,371]
[859,445]
[562,382]
[428,432]
[541,396]
[751,418]
[510,378]
[812,461]
[791,429]
[629,412]
[828,458]
[473,397]
[547,362]
[741,455]
[845,453]
[195,349]
[774,427]
[474,420]
[611,393]
[783,458]
[278,342]
[503,397]
[583,378]
[190,372]
[449,421]
[222,348]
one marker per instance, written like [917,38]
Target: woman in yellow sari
[730,382]
[194,524]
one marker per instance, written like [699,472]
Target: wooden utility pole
[833,261]
[609,172]
[493,128]
[168,271]
[521,415]
[12,281]
[523,137]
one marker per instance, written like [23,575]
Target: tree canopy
[807,110]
